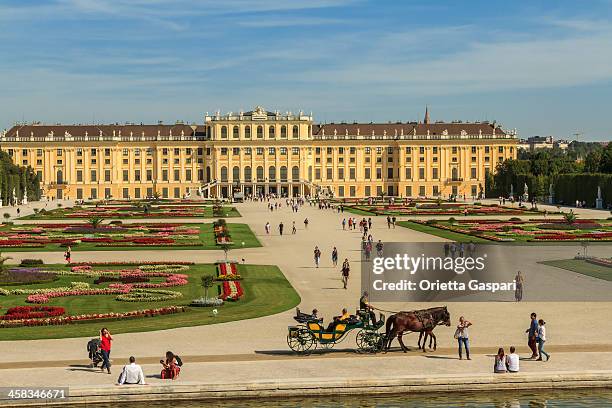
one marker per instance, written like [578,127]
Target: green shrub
[31,262]
[515,219]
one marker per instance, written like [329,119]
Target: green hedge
[583,186]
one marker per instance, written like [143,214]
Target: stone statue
[551,194]
[526,189]
[599,199]
[511,190]
[25,195]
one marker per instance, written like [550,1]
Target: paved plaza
[257,347]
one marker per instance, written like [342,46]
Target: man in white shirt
[512,361]
[132,374]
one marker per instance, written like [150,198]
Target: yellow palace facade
[260,152]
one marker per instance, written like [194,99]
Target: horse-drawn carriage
[310,333]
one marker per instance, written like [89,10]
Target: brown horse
[415,321]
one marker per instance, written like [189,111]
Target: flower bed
[149,295]
[231,290]
[92,317]
[607,262]
[32,312]
[528,231]
[227,271]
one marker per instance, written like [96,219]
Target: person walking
[369,222]
[542,339]
[346,269]
[350,223]
[393,221]
[280,228]
[105,347]
[388,222]
[68,254]
[518,291]
[267,227]
[532,334]
[293,229]
[335,257]
[379,248]
[344,223]
[317,256]
[306,223]
[462,336]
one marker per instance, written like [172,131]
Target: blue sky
[544,67]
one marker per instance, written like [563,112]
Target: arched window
[207,174]
[224,132]
[60,177]
[236,173]
[247,132]
[272,173]
[296,131]
[260,173]
[260,132]
[223,173]
[284,132]
[236,132]
[283,173]
[295,173]
[271,132]
[247,173]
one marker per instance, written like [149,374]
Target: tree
[226,248]
[207,282]
[605,164]
[570,217]
[592,162]
[95,222]
[3,260]
[6,216]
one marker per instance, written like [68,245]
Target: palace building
[261,152]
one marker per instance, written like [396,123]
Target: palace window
[271,132]
[408,173]
[59,152]
[368,150]
[126,152]
[247,132]
[39,152]
[126,175]
[236,151]
[223,132]
[390,150]
[260,132]
[283,150]
[434,173]
[236,132]
[295,150]
[284,132]
[368,173]
[248,150]
[296,131]
[224,151]
[260,150]
[271,151]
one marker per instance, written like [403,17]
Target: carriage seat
[320,333]
[305,317]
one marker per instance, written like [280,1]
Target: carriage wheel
[303,342]
[369,341]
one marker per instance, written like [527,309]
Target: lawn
[120,237]
[135,210]
[266,292]
[450,235]
[516,230]
[583,267]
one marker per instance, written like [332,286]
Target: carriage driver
[364,305]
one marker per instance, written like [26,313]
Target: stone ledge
[324,386]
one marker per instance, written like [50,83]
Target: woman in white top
[542,339]
[500,362]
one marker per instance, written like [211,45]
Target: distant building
[542,142]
